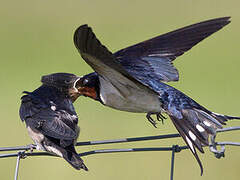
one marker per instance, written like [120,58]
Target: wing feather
[103,61]
[49,122]
[164,49]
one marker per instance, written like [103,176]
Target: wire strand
[175,148]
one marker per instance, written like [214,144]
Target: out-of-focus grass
[36,39]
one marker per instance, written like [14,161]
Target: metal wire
[17,167]
[175,148]
[135,139]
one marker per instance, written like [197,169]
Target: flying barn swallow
[51,119]
[132,80]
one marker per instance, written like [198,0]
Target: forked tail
[195,126]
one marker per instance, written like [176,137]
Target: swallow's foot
[160,117]
[151,120]
[32,147]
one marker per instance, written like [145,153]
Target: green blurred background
[36,39]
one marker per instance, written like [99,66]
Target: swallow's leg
[32,147]
[160,117]
[150,119]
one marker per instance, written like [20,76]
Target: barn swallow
[51,119]
[132,80]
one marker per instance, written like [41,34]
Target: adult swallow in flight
[51,119]
[132,80]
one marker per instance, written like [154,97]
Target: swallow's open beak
[77,83]
[88,91]
[73,91]
[84,90]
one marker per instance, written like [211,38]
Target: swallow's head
[65,82]
[88,85]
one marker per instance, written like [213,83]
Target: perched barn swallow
[51,119]
[132,80]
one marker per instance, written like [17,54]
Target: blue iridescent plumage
[132,79]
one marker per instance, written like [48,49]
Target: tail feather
[74,159]
[223,118]
[196,125]
[68,152]
[231,117]
[188,141]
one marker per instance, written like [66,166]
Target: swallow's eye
[67,81]
[85,81]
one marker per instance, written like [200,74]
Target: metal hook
[213,148]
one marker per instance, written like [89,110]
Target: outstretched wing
[104,63]
[50,122]
[153,58]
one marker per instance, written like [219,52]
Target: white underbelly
[129,99]
[37,137]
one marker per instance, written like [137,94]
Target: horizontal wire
[17,148]
[227,143]
[123,140]
[100,151]
[228,129]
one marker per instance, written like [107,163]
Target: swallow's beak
[77,86]
[83,90]
[73,91]
[88,91]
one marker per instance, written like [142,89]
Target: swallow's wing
[153,58]
[103,61]
[50,122]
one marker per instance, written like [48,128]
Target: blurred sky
[36,39]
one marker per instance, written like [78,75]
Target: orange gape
[87,91]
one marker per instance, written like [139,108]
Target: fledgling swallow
[132,80]
[51,119]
